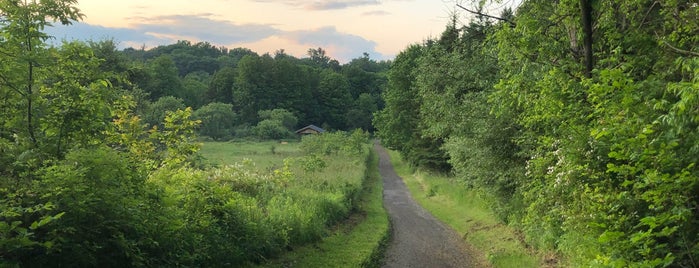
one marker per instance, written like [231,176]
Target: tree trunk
[586,14]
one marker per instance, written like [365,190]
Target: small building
[310,129]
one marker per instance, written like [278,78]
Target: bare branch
[675,49]
[486,15]
[680,51]
[10,85]
[647,13]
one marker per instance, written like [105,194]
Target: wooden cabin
[310,130]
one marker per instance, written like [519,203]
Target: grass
[467,211]
[266,155]
[356,242]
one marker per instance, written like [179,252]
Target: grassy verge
[357,242]
[467,211]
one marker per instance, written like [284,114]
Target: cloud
[84,31]
[168,29]
[324,4]
[329,5]
[342,46]
[376,13]
[204,28]
[165,30]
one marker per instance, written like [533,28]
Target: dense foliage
[99,168]
[577,117]
[316,90]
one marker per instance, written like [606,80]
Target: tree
[194,89]
[74,100]
[362,112]
[217,120]
[333,98]
[287,118]
[24,54]
[221,86]
[399,123]
[252,85]
[38,124]
[157,111]
[234,56]
[271,130]
[455,78]
[275,124]
[290,87]
[164,78]
[597,123]
[318,57]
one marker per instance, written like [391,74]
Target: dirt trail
[418,239]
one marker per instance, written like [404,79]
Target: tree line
[578,118]
[229,88]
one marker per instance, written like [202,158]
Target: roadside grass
[467,211]
[358,241]
[265,155]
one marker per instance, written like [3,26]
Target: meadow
[264,154]
[328,200]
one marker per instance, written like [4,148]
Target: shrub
[155,113]
[217,120]
[287,119]
[105,208]
[270,129]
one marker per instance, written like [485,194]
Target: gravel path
[418,239]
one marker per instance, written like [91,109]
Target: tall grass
[241,213]
[358,241]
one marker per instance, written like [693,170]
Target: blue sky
[344,28]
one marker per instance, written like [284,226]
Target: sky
[344,28]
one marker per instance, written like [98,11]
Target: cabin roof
[312,127]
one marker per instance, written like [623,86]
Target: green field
[265,155]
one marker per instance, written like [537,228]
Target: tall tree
[318,57]
[221,86]
[251,84]
[164,78]
[333,98]
[361,114]
[597,123]
[399,123]
[195,87]
[24,55]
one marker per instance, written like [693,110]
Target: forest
[237,93]
[577,118]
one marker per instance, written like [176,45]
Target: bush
[335,143]
[287,119]
[155,113]
[106,208]
[270,129]
[217,120]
